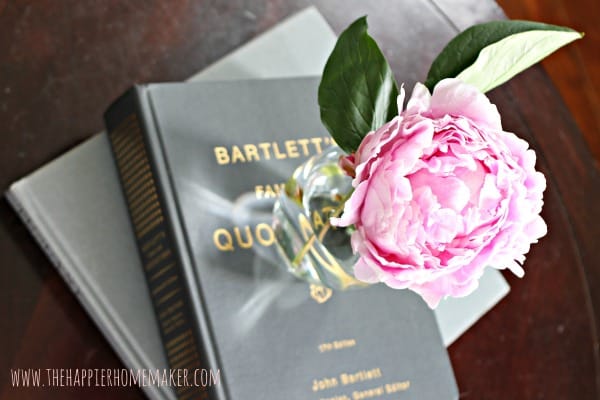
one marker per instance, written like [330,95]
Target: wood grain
[62,63]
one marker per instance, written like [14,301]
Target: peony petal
[536,229]
[364,272]
[536,182]
[371,144]
[396,283]
[406,153]
[516,269]
[352,207]
[489,196]
[456,98]
[451,192]
[442,226]
[400,99]
[419,100]
[432,298]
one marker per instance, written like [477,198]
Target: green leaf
[501,61]
[462,51]
[358,92]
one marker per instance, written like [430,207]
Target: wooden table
[62,63]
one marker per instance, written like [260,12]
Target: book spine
[173,290]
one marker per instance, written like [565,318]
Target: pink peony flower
[441,192]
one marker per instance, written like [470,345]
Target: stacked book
[165,240]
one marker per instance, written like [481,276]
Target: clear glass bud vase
[310,247]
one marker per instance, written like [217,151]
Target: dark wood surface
[62,63]
[576,70]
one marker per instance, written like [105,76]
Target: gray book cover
[61,201]
[202,218]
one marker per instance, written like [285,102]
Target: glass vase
[310,247]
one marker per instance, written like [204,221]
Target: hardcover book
[200,165]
